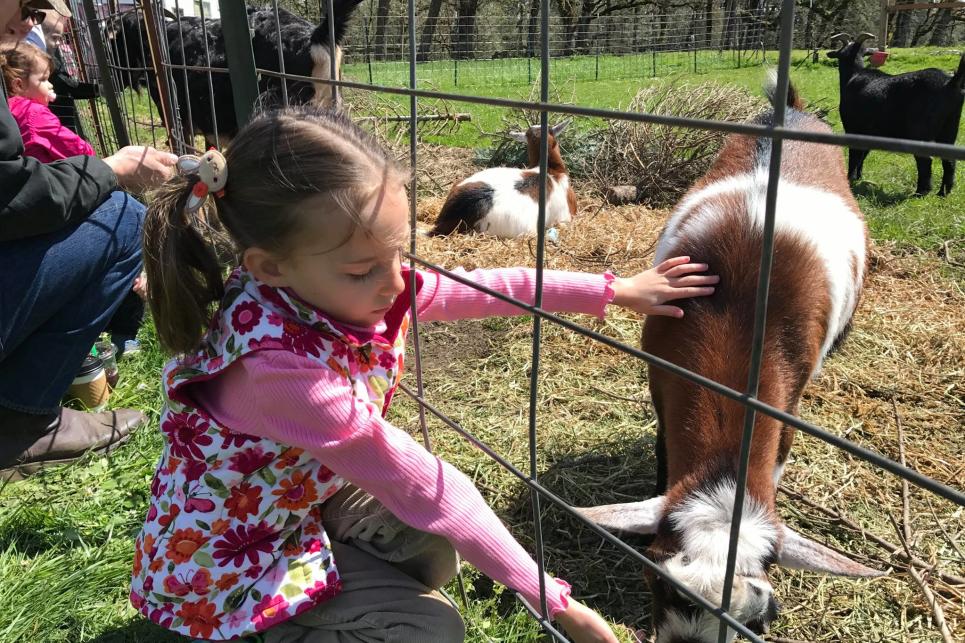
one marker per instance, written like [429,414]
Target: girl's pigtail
[182,265]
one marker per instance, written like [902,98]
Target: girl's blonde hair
[19,61]
[275,163]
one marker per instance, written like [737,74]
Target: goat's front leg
[855,158]
[948,178]
[924,175]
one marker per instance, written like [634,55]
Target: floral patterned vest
[233,542]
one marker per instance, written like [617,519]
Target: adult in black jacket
[66,86]
[70,249]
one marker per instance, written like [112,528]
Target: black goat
[305,47]
[923,105]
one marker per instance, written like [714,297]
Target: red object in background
[878,58]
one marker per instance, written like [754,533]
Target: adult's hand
[139,168]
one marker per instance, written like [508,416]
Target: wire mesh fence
[141,49]
[494,50]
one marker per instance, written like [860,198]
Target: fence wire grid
[101,57]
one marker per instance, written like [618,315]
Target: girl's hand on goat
[583,625]
[675,278]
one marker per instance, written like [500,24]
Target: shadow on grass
[607,577]
[881,196]
[140,630]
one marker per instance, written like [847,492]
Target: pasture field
[897,386]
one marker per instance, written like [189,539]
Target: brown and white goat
[504,201]
[820,242]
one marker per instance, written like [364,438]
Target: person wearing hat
[70,250]
[27,25]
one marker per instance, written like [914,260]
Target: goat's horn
[864,36]
[841,36]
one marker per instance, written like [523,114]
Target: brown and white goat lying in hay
[504,201]
[820,245]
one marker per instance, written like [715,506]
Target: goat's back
[818,267]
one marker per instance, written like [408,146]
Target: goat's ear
[834,54]
[559,127]
[518,136]
[637,517]
[799,552]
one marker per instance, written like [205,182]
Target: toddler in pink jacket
[26,70]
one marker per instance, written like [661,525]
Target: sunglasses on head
[37,15]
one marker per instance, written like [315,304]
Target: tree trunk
[940,36]
[583,44]
[923,29]
[464,31]
[709,23]
[730,24]
[381,24]
[902,31]
[533,46]
[429,30]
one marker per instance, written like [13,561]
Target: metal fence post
[241,58]
[368,53]
[110,91]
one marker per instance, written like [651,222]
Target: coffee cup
[90,384]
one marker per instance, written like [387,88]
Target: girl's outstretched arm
[445,299]
[676,278]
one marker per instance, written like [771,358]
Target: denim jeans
[58,292]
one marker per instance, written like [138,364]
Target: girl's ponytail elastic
[208,174]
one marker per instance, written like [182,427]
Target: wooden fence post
[152,28]
[110,91]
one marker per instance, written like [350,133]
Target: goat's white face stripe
[514,213]
[703,522]
[821,217]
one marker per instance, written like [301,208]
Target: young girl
[26,72]
[284,503]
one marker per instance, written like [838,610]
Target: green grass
[66,537]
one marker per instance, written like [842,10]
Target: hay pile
[904,360]
[661,161]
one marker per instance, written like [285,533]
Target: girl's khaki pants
[390,573]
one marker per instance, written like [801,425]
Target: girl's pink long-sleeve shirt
[287,398]
[44,136]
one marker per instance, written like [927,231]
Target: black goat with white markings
[305,47]
[923,105]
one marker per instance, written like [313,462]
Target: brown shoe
[30,442]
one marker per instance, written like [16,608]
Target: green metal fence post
[240,58]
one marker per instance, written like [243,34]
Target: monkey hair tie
[212,172]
